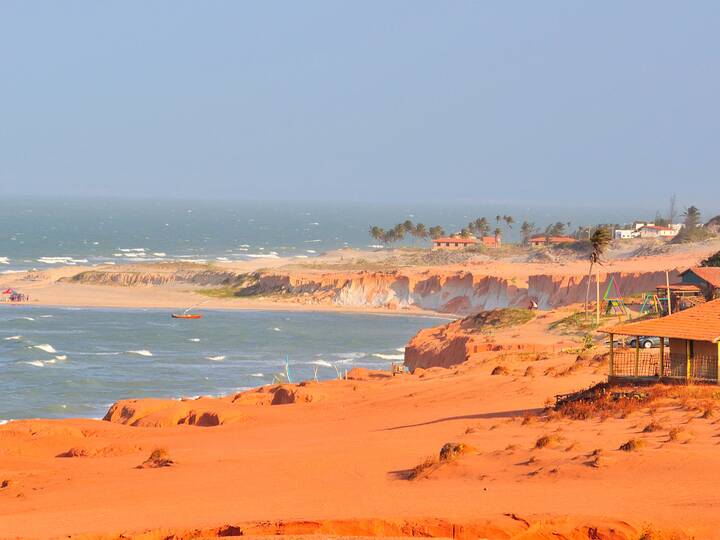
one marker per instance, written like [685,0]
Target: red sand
[340,460]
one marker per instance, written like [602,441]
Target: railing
[628,363]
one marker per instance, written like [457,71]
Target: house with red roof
[707,278]
[688,346]
[543,240]
[457,242]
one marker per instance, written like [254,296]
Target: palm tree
[482,227]
[408,226]
[498,234]
[436,232]
[420,231]
[526,230]
[377,233]
[509,220]
[599,242]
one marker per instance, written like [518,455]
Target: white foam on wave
[316,241]
[389,356]
[46,316]
[27,318]
[400,349]
[13,338]
[106,353]
[310,251]
[323,363]
[276,329]
[195,339]
[60,260]
[272,255]
[257,375]
[36,363]
[45,347]
[130,250]
[61,357]
[218,358]
[159,254]
[141,352]
[350,355]
[12,272]
[3,422]
[4,260]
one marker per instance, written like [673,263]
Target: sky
[557,102]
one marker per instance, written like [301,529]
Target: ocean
[42,233]
[58,363]
[75,362]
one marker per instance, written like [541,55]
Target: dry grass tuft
[632,445]
[547,440]
[158,458]
[606,401]
[449,452]
[675,433]
[652,427]
[529,372]
[500,370]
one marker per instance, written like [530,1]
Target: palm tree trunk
[587,292]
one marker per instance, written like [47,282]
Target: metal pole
[637,355]
[597,296]
[669,299]
[611,367]
[661,367]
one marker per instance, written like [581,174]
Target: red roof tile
[456,240]
[711,274]
[701,323]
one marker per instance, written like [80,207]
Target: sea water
[44,233]
[57,363]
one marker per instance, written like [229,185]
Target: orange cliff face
[468,340]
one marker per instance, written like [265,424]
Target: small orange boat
[186,316]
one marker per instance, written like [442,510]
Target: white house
[625,234]
[655,231]
[648,230]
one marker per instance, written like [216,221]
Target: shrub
[632,445]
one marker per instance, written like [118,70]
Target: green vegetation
[219,292]
[577,324]
[693,231]
[712,260]
[498,318]
[599,241]
[401,230]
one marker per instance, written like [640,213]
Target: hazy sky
[555,102]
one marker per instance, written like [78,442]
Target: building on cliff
[707,278]
[544,240]
[463,242]
[688,347]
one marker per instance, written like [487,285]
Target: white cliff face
[458,292]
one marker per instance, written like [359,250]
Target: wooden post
[637,355]
[669,299]
[688,372]
[717,379]
[661,366]
[597,296]
[611,366]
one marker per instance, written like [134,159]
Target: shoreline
[281,307]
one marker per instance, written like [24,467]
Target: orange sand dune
[335,459]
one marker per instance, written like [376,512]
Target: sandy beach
[337,458]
